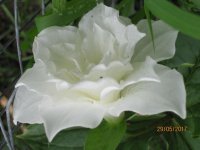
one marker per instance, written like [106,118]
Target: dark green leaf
[193,119]
[182,140]
[187,61]
[35,137]
[196,2]
[193,95]
[157,142]
[139,143]
[187,52]
[138,16]
[126,7]
[73,10]
[136,118]
[28,37]
[107,136]
[59,6]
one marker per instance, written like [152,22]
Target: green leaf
[192,120]
[59,6]
[139,143]
[107,136]
[187,61]
[142,134]
[140,126]
[138,16]
[148,15]
[186,22]
[35,137]
[28,38]
[161,141]
[73,10]
[194,143]
[187,52]
[196,2]
[158,142]
[126,7]
[193,95]
[137,118]
[184,139]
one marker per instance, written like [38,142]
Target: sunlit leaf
[186,22]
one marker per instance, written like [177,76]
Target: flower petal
[95,47]
[108,19]
[62,115]
[93,89]
[52,36]
[116,70]
[105,17]
[38,79]
[59,49]
[142,71]
[147,98]
[26,106]
[164,39]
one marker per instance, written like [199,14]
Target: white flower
[99,70]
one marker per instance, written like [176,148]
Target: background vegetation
[141,131]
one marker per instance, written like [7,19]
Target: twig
[17,36]
[4,134]
[8,118]
[24,27]
[43,7]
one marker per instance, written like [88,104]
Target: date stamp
[171,128]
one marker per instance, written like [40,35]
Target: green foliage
[196,2]
[148,16]
[59,6]
[188,52]
[138,132]
[187,23]
[190,5]
[34,137]
[65,13]
[107,136]
[193,119]
[125,7]
[28,38]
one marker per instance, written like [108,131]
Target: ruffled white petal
[108,20]
[38,79]
[95,47]
[93,89]
[116,70]
[142,71]
[26,106]
[53,36]
[62,115]
[164,39]
[59,49]
[147,98]
[105,17]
